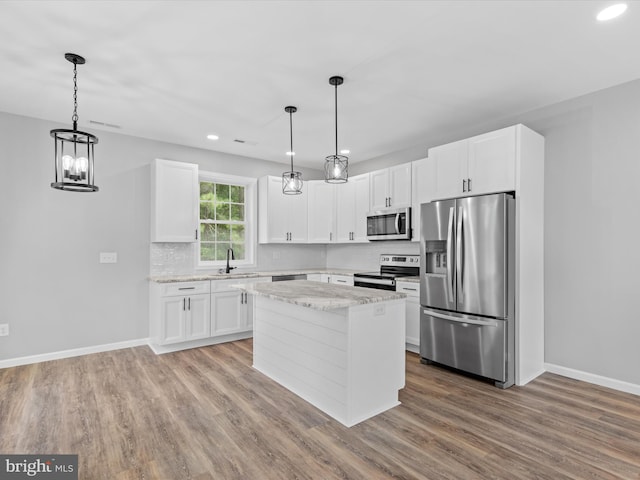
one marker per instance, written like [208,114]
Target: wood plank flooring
[205,414]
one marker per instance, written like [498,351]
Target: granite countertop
[320,296]
[197,277]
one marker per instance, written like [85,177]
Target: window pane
[206,191]
[237,194]
[222,192]
[207,251]
[238,250]
[221,250]
[223,232]
[237,233]
[208,232]
[237,212]
[206,211]
[222,211]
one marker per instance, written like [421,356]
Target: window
[227,213]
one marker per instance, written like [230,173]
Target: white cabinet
[341,279]
[412,314]
[174,201]
[477,165]
[179,312]
[281,218]
[321,209]
[390,187]
[231,309]
[352,205]
[423,190]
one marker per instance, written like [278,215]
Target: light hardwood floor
[206,414]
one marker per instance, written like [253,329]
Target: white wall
[54,294]
[592,228]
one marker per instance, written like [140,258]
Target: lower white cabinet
[180,312]
[183,312]
[412,315]
[231,309]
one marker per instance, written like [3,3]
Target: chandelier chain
[75,95]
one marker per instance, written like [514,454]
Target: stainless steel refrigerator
[467,285]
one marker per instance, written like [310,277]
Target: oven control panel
[400,260]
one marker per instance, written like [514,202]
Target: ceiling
[179,70]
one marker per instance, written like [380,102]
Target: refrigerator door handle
[450,276]
[442,316]
[460,254]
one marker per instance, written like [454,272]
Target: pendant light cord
[336,115]
[291,136]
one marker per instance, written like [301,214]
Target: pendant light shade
[291,180]
[336,167]
[73,149]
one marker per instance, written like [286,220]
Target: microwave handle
[397,224]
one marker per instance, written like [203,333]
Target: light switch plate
[108,257]
[4,330]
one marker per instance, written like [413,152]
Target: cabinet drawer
[225,285]
[410,288]
[185,288]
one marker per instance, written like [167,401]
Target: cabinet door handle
[196,233]
[468,184]
[186,288]
[184,304]
[189,303]
[464,185]
[330,236]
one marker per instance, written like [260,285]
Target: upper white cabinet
[174,201]
[281,218]
[477,165]
[321,209]
[390,187]
[423,190]
[352,205]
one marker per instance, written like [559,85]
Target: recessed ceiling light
[611,12]
[213,137]
[345,152]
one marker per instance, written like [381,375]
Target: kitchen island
[338,347]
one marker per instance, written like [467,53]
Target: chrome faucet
[228,269]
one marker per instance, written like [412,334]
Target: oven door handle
[442,316]
[376,281]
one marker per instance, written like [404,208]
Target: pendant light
[336,167]
[292,180]
[73,148]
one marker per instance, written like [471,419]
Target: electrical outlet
[276,255]
[4,330]
[108,257]
[379,310]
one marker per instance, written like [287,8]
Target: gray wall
[592,226]
[55,294]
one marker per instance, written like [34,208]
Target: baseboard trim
[76,352]
[593,378]
[205,342]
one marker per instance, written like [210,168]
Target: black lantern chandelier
[292,180]
[73,148]
[336,167]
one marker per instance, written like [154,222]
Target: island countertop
[320,296]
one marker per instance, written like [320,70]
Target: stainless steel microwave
[389,224]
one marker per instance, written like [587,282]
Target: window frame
[250,217]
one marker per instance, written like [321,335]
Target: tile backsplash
[181,258]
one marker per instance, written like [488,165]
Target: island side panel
[376,358]
[304,350]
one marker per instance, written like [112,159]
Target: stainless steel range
[391,267]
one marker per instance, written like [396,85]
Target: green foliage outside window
[222,221]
